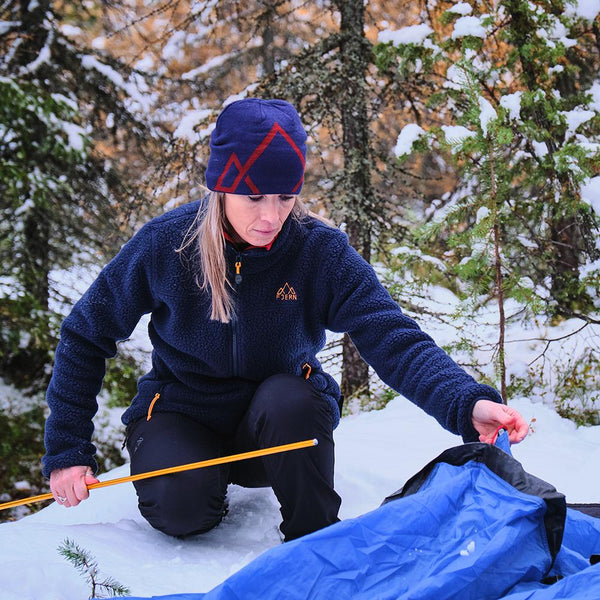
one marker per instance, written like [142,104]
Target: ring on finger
[61,499]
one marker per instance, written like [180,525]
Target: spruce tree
[515,225]
[65,194]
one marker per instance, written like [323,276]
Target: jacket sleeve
[107,313]
[404,357]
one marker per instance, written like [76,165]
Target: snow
[469,26]
[408,136]
[413,34]
[376,453]
[575,118]
[590,193]
[586,9]
[456,78]
[217,61]
[595,95]
[136,89]
[44,57]
[70,30]
[408,251]
[146,64]
[187,124]
[540,148]
[482,213]
[512,103]
[6,26]
[487,114]
[172,49]
[557,33]
[456,134]
[462,8]
[75,134]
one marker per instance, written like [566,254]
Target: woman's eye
[286,198]
[255,198]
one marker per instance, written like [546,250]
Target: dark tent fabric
[472,525]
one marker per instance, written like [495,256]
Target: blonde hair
[207,234]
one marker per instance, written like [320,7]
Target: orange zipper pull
[156,397]
[238,268]
[306,370]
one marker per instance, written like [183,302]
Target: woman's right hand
[69,486]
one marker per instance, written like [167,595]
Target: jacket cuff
[74,458]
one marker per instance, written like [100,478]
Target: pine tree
[65,196]
[515,225]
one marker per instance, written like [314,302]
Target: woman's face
[256,220]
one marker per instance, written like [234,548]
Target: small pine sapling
[87,565]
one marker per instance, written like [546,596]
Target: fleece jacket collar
[255,260]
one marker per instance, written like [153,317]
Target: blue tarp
[471,525]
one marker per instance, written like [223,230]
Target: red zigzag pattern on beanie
[243,169]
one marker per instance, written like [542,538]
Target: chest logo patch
[286,293]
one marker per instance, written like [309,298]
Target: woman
[241,287]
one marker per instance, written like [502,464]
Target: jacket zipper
[238,269]
[234,321]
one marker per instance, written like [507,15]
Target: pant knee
[183,503]
[180,509]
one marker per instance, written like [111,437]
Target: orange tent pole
[188,467]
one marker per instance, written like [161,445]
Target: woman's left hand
[488,416]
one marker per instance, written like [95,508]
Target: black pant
[284,409]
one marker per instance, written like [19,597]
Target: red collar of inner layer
[244,246]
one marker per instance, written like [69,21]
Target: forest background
[457,144]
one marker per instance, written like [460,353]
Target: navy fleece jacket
[309,281]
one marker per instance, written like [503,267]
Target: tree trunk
[357,189]
[268,36]
[36,261]
[499,278]
[565,263]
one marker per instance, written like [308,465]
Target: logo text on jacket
[286,292]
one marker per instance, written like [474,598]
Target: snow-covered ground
[376,453]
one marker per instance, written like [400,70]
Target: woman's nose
[270,211]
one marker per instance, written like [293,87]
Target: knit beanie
[257,147]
